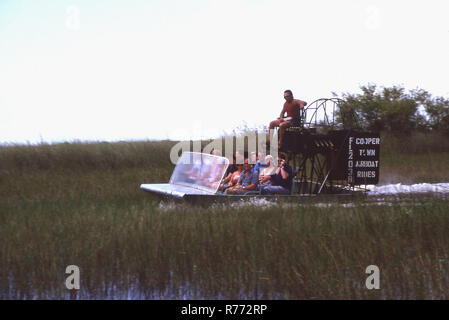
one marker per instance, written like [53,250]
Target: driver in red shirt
[291,107]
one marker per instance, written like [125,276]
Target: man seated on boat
[232,179]
[236,163]
[281,181]
[292,108]
[248,180]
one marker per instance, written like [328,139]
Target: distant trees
[394,110]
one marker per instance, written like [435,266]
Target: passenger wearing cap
[281,180]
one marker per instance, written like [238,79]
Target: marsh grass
[414,168]
[414,143]
[81,204]
[85,155]
[295,253]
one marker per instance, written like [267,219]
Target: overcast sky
[133,70]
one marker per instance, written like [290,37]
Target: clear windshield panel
[200,171]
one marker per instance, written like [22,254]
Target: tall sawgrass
[107,155]
[415,158]
[80,204]
[415,143]
[281,252]
[85,156]
[414,168]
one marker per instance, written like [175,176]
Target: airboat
[327,158]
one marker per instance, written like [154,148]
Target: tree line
[394,110]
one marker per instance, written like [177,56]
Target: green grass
[81,204]
[414,168]
[295,253]
[84,156]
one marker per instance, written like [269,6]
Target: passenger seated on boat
[262,160]
[231,168]
[255,163]
[267,172]
[237,158]
[256,160]
[248,181]
[232,179]
[281,181]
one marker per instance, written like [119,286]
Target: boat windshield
[200,171]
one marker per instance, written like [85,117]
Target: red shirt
[292,108]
